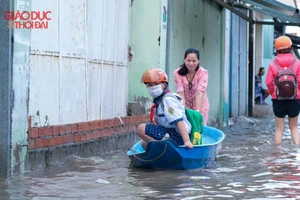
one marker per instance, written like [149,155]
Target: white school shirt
[173,112]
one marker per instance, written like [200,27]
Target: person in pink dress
[191,83]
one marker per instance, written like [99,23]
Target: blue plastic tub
[166,154]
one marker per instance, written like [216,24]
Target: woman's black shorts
[281,108]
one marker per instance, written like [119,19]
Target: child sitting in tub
[167,115]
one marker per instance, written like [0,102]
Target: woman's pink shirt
[199,82]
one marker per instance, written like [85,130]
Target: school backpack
[195,119]
[286,82]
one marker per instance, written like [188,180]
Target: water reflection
[248,167]
[3,189]
[285,173]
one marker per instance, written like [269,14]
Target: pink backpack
[286,82]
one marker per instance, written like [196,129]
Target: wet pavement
[248,166]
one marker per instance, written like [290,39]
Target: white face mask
[155,91]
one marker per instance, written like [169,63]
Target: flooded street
[248,167]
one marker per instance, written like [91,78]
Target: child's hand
[155,120]
[188,144]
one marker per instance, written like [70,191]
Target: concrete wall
[5,90]
[268,34]
[199,24]
[145,31]
[21,81]
[259,48]
[194,23]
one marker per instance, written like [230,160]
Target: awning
[281,14]
[295,40]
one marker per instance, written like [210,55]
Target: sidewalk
[262,110]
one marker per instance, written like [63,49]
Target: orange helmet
[283,42]
[154,75]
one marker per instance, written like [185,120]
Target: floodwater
[247,167]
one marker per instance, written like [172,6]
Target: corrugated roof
[284,14]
